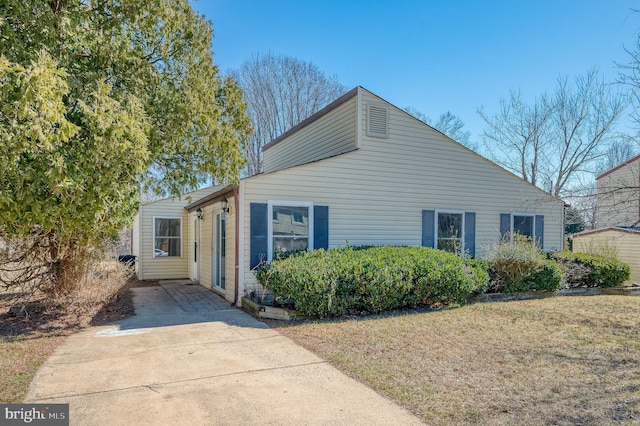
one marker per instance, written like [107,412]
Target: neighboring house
[617,216]
[618,196]
[624,242]
[361,172]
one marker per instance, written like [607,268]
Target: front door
[219,250]
[196,250]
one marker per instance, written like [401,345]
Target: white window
[167,237]
[523,224]
[450,231]
[291,226]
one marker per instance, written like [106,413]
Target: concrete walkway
[188,357]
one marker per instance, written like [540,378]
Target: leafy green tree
[573,221]
[99,100]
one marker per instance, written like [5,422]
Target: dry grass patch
[19,362]
[563,360]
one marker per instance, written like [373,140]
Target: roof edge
[608,228]
[618,167]
[180,197]
[210,198]
[327,109]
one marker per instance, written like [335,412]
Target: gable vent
[377,121]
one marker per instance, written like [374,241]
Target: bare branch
[280,92]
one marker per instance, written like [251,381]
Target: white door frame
[218,260]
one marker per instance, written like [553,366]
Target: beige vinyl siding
[625,242]
[376,194]
[191,218]
[333,134]
[155,268]
[230,260]
[207,249]
[206,245]
[135,240]
[618,201]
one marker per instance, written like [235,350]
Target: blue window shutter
[321,227]
[428,225]
[259,233]
[540,230]
[505,225]
[470,233]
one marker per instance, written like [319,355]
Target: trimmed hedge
[591,270]
[372,279]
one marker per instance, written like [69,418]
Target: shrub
[518,265]
[371,279]
[592,270]
[443,277]
[546,275]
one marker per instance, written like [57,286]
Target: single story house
[361,172]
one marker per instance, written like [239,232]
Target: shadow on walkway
[182,302]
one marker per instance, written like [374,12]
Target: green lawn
[563,360]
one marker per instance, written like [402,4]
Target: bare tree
[583,122]
[518,134]
[452,126]
[280,91]
[556,138]
[449,124]
[629,76]
[419,115]
[617,153]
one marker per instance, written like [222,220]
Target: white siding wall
[626,243]
[334,134]
[150,268]
[619,197]
[376,194]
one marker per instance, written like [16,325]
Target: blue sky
[436,56]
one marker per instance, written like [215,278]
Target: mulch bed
[47,321]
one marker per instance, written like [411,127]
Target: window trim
[533,224]
[287,203]
[154,236]
[462,231]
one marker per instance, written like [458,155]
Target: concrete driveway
[188,357]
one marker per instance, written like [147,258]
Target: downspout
[236,205]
